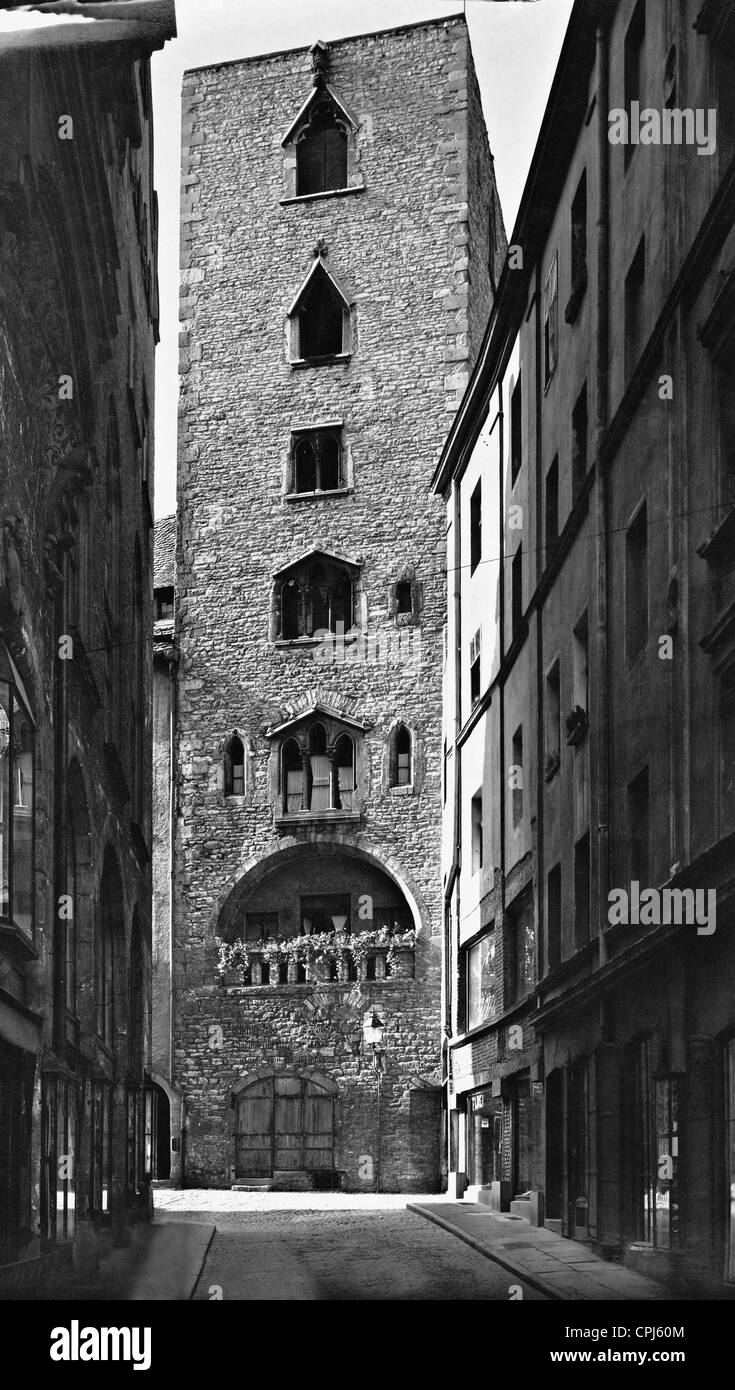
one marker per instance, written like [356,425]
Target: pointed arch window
[320,319]
[321,150]
[318,769]
[234,761]
[292,779]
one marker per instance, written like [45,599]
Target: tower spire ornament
[320,62]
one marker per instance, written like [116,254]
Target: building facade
[78,315]
[340,237]
[589,716]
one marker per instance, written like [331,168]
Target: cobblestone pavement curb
[173,1261]
[559,1268]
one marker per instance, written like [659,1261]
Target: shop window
[59,1142]
[520,939]
[17,773]
[482,982]
[101,1165]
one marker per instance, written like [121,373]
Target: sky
[516,46]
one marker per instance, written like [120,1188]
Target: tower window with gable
[320,144]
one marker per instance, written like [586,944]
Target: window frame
[18,709]
[551,320]
[316,436]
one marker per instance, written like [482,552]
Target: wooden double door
[284,1123]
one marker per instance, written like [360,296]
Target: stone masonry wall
[401,249]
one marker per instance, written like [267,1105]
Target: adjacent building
[341,237]
[78,327]
[589,709]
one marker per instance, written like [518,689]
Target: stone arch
[319,1078]
[256,869]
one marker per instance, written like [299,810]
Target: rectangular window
[516,776]
[475,649]
[727,750]
[552,507]
[582,884]
[316,461]
[634,295]
[638,828]
[481,981]
[325,913]
[636,585]
[516,587]
[634,79]
[580,713]
[520,942]
[644,1140]
[579,443]
[551,329]
[726,425]
[260,925]
[476,528]
[552,722]
[516,429]
[553,917]
[477,833]
[579,237]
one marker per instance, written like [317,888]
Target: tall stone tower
[340,236]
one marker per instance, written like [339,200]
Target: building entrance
[285,1123]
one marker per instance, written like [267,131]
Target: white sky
[516,46]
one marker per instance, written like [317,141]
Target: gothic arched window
[321,151]
[315,598]
[292,778]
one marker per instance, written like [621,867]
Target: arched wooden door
[285,1123]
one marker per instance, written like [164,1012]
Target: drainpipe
[601,493]
[171,654]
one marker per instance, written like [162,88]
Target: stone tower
[340,238]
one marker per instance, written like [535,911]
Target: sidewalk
[559,1268]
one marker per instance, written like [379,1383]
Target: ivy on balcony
[324,951]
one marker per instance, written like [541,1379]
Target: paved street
[312,1246]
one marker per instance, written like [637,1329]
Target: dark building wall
[78,306]
[633,1020]
[403,245]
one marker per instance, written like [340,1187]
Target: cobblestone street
[311,1246]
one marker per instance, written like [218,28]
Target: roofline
[563,116]
[455,17]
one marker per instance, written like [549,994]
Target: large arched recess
[234,899]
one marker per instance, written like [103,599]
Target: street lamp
[374,1036]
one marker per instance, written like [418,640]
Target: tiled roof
[164,552]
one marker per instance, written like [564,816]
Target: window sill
[329,193]
[298,363]
[317,817]
[405,789]
[317,495]
[309,642]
